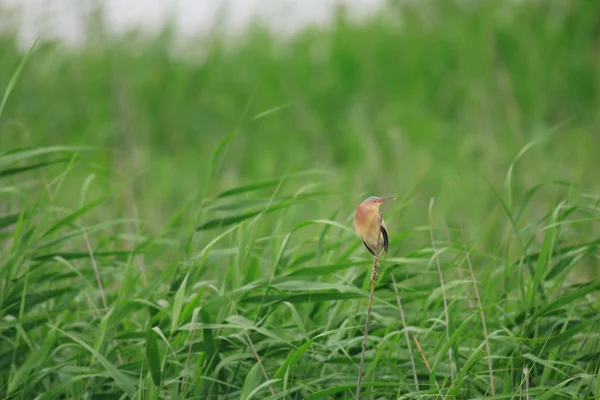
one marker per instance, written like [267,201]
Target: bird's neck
[363,213]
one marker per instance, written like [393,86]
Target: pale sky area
[65,19]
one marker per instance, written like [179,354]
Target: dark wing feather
[386,242]
[368,248]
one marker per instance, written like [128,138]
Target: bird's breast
[366,223]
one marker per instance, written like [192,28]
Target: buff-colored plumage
[369,225]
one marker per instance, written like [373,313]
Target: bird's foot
[374,276]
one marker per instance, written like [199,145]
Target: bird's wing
[368,248]
[384,233]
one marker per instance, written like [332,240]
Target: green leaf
[26,153]
[59,389]
[74,216]
[161,334]
[252,187]
[235,219]
[508,182]
[570,259]
[31,320]
[442,353]
[322,270]
[102,329]
[81,254]
[328,392]
[513,223]
[528,196]
[122,380]
[250,381]
[178,304]
[14,78]
[542,261]
[211,348]
[316,297]
[597,388]
[15,171]
[35,297]
[474,357]
[550,393]
[293,358]
[8,220]
[88,229]
[188,310]
[261,387]
[36,357]
[153,357]
[296,318]
[245,204]
[568,298]
[249,188]
[565,336]
[272,110]
[540,361]
[216,156]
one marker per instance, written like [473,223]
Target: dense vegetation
[171,212]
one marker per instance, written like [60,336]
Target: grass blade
[122,380]
[153,357]
[15,77]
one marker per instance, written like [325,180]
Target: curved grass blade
[260,387]
[565,336]
[554,390]
[8,220]
[26,322]
[15,77]
[20,170]
[329,392]
[293,358]
[82,255]
[250,382]
[567,298]
[24,372]
[153,357]
[34,152]
[228,221]
[249,188]
[178,304]
[74,216]
[252,187]
[122,380]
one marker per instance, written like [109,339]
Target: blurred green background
[441,94]
[488,107]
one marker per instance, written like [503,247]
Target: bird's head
[374,201]
[368,208]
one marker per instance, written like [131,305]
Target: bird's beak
[385,199]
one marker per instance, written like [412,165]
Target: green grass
[169,213]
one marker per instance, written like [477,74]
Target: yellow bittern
[369,225]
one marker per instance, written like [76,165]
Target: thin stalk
[526,373]
[368,321]
[426,362]
[410,354]
[367,324]
[482,314]
[441,276]
[256,355]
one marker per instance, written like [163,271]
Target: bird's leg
[375,265]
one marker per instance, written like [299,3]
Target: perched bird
[369,225]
